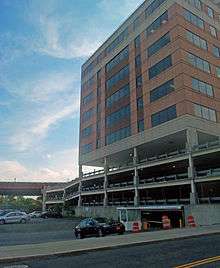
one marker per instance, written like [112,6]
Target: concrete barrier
[204,214]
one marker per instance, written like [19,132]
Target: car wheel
[79,236]
[23,221]
[2,222]
[100,233]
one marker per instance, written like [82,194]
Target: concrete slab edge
[102,248]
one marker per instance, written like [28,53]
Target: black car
[91,227]
[51,214]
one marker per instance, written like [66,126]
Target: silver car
[13,217]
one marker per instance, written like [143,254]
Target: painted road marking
[200,262]
[16,266]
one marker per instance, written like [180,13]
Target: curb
[100,248]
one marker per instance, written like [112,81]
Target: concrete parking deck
[23,252]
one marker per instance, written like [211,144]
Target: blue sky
[42,47]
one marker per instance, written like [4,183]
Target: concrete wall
[108,212]
[204,214]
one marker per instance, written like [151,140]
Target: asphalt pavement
[159,255]
[37,231]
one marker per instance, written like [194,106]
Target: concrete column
[44,199]
[136,178]
[64,198]
[105,200]
[80,186]
[191,176]
[192,138]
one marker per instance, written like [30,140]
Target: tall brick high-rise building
[150,109]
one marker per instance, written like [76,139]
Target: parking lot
[37,231]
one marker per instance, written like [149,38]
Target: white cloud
[26,137]
[11,170]
[42,88]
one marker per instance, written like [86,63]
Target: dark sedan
[91,227]
[51,214]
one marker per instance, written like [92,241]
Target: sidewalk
[22,252]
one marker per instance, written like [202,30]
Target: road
[37,231]
[158,255]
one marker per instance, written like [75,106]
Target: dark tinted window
[160,67]
[157,23]
[155,47]
[163,116]
[162,90]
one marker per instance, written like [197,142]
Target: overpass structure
[25,188]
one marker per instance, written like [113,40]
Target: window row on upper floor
[88,98]
[148,12]
[124,54]
[86,116]
[205,112]
[122,74]
[87,148]
[120,114]
[118,135]
[86,132]
[163,116]
[122,92]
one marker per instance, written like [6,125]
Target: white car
[35,214]
[13,217]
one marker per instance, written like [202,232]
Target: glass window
[124,54]
[205,112]
[210,12]
[163,116]
[199,63]
[118,135]
[87,115]
[194,19]
[139,81]
[140,104]
[216,51]
[196,40]
[160,67]
[89,83]
[88,98]
[213,31]
[118,95]
[137,41]
[118,40]
[152,7]
[138,61]
[115,117]
[87,131]
[87,148]
[136,23]
[157,23]
[155,47]
[122,74]
[196,3]
[218,72]
[141,125]
[162,90]
[202,87]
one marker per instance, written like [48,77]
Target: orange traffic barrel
[145,225]
[166,222]
[135,227]
[191,221]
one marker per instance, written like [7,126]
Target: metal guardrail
[207,145]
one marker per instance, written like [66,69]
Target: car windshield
[101,220]
[2,213]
